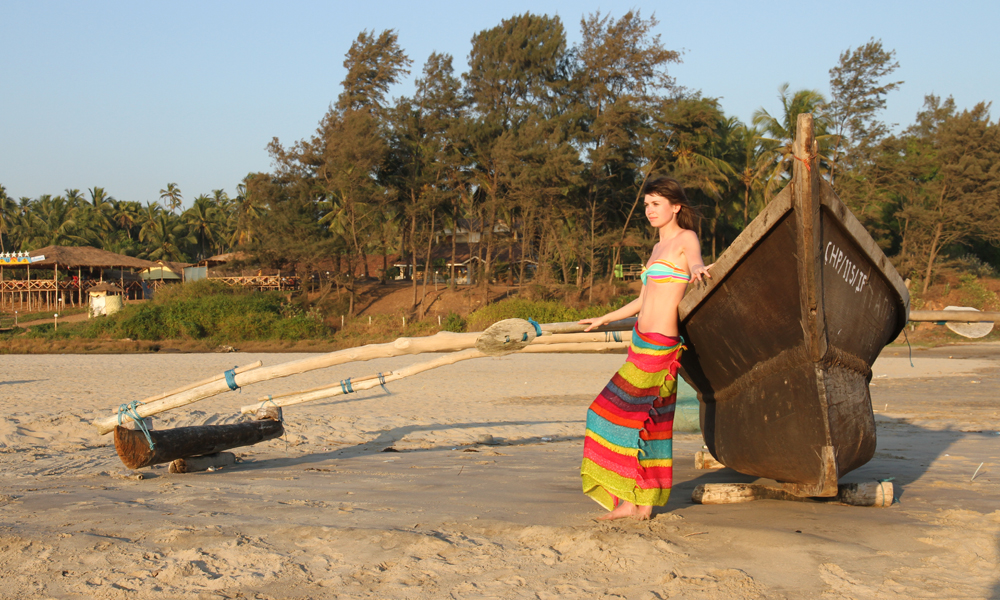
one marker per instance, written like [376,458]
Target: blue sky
[132,95]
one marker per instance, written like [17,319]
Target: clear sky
[132,95]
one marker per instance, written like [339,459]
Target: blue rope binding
[381,382]
[231,380]
[538,328]
[346,387]
[130,411]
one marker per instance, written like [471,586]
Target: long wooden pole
[953,316]
[444,341]
[371,381]
[191,386]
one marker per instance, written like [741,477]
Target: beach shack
[159,274]
[105,299]
[58,276]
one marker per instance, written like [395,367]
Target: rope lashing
[346,387]
[271,400]
[381,382]
[130,411]
[612,336]
[910,348]
[538,328]
[881,484]
[231,380]
[805,162]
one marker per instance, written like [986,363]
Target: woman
[627,452]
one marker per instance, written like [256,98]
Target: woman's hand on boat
[699,272]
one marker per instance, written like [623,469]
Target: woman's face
[660,211]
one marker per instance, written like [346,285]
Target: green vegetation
[207,310]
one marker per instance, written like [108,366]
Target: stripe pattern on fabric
[663,271]
[628,448]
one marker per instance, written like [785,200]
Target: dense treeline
[552,143]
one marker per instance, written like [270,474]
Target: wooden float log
[871,493]
[182,442]
[196,464]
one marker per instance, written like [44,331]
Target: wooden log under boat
[782,338]
[184,442]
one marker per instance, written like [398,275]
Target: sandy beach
[327,512]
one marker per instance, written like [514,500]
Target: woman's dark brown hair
[672,190]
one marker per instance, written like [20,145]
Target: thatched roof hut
[86,257]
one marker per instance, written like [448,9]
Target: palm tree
[171,197]
[243,221]
[8,214]
[782,131]
[163,234]
[204,220]
[53,222]
[126,215]
[750,161]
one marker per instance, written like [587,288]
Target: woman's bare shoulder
[689,235]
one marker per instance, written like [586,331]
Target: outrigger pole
[501,338]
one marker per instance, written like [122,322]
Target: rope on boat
[538,328]
[231,380]
[130,411]
[381,382]
[281,419]
[907,338]
[345,386]
[881,484]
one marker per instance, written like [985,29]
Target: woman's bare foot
[627,509]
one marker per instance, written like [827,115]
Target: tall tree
[516,72]
[622,73]
[956,160]
[171,197]
[373,65]
[8,214]
[781,129]
[858,90]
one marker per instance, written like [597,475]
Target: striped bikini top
[664,271]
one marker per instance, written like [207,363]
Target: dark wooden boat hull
[781,342]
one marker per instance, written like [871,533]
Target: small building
[105,299]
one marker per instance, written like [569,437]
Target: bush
[454,322]
[207,310]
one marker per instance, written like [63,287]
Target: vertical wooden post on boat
[806,199]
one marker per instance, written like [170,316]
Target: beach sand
[326,512]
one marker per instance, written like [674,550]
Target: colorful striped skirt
[628,449]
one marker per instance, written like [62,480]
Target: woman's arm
[692,253]
[629,310]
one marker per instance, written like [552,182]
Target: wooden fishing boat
[782,339]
